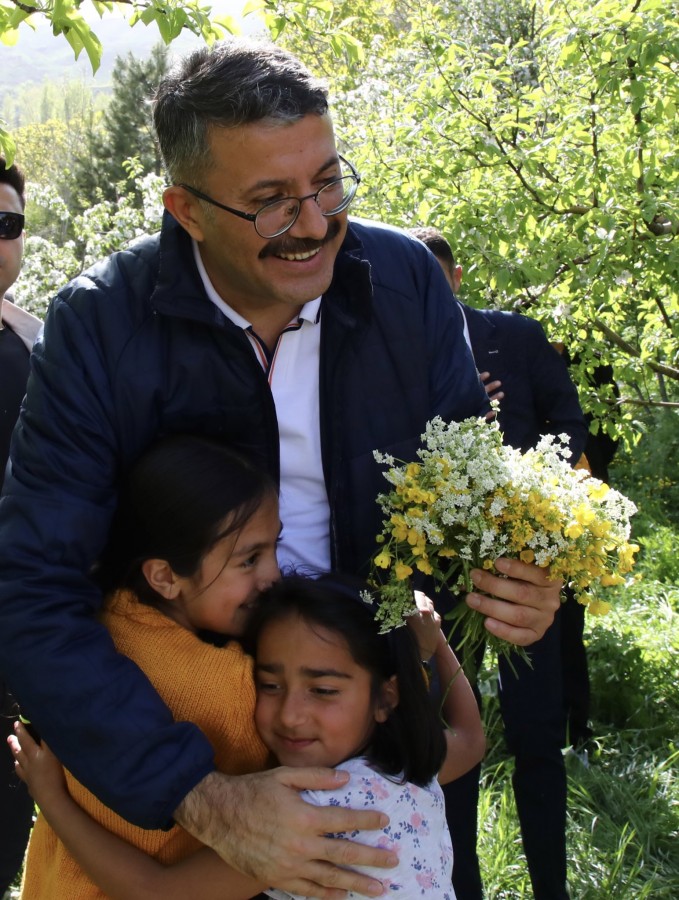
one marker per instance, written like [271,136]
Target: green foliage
[543,143]
[67,100]
[105,227]
[124,130]
[649,472]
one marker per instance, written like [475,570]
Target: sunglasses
[11,225]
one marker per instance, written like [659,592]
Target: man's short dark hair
[14,177]
[436,242]
[233,83]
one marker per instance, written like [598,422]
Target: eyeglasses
[277,216]
[11,225]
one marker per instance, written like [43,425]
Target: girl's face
[219,596]
[314,704]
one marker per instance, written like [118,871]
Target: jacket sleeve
[457,392]
[93,706]
[556,397]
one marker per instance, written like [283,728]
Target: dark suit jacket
[540,397]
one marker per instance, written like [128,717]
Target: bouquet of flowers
[471,499]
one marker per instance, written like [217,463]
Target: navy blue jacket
[134,349]
[540,397]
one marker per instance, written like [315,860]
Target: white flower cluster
[471,499]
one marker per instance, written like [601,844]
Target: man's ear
[387,700]
[160,576]
[185,208]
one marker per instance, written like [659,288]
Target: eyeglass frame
[20,221]
[252,217]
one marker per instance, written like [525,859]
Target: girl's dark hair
[411,741]
[173,506]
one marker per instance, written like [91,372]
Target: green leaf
[7,146]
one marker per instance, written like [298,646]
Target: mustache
[288,245]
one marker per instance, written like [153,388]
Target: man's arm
[261,826]
[94,707]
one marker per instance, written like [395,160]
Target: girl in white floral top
[333,691]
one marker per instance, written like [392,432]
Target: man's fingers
[528,572]
[522,605]
[341,881]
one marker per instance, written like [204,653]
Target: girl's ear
[160,576]
[387,700]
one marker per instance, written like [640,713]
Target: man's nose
[310,223]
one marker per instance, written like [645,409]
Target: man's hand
[522,605]
[493,391]
[261,826]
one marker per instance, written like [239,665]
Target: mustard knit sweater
[210,686]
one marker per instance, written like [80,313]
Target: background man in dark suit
[537,397]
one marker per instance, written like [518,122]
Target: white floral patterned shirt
[417,832]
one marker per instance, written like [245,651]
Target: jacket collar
[178,290]
[21,322]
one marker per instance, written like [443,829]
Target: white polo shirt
[293,373]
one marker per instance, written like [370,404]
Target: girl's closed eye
[267,686]
[325,691]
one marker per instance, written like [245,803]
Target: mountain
[39,56]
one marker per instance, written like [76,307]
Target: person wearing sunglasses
[263,316]
[18,330]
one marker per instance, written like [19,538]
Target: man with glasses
[18,330]
[260,315]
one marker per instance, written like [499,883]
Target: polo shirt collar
[310,312]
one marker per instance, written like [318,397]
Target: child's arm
[464,735]
[122,871]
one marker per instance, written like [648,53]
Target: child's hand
[37,766]
[426,626]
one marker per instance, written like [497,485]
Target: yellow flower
[414,537]
[611,579]
[598,607]
[626,556]
[447,552]
[400,529]
[527,556]
[584,514]
[383,559]
[573,530]
[402,571]
[413,470]
[597,491]
[600,529]
[424,566]
[488,564]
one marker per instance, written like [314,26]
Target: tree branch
[631,350]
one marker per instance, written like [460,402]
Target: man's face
[252,165]
[10,251]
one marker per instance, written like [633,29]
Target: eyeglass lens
[11,225]
[333,198]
